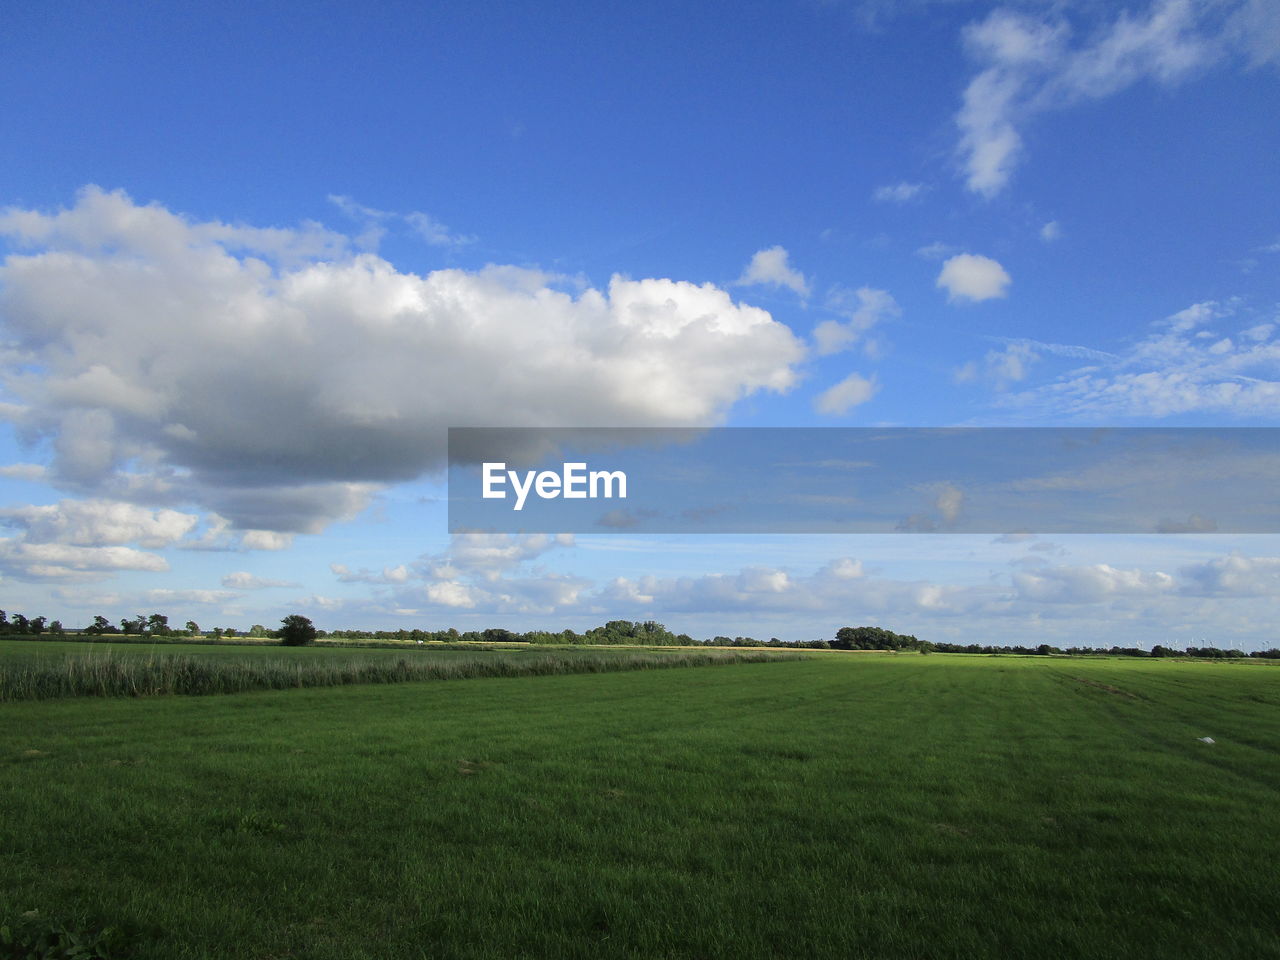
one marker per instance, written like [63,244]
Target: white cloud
[1070,350]
[266,540]
[1010,365]
[60,561]
[488,571]
[243,580]
[844,568]
[1051,231]
[1180,368]
[1089,584]
[186,597]
[863,308]
[852,391]
[33,472]
[320,602]
[83,540]
[397,574]
[771,268]
[490,554]
[1234,576]
[292,390]
[1029,65]
[969,276]
[988,139]
[497,572]
[902,192]
[833,589]
[96,523]
[937,250]
[1061,604]
[374,222]
[435,232]
[1255,28]
[450,594]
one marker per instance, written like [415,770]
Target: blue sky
[257,260]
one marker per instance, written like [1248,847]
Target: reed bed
[133,676]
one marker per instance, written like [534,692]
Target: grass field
[869,806]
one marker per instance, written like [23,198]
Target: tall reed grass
[133,676]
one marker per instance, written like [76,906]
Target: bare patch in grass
[1107,687]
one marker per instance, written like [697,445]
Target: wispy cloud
[1184,366]
[1030,63]
[375,221]
[902,192]
[862,309]
[853,391]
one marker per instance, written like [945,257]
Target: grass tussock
[111,676]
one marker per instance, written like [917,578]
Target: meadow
[851,806]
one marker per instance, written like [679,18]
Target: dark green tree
[296,630]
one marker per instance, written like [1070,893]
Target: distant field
[846,807]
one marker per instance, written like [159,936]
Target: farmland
[837,806]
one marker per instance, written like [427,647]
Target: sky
[256,260]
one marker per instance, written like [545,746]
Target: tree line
[649,633]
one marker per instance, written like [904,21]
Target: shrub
[32,937]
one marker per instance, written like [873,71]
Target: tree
[193,628]
[55,628]
[158,625]
[296,630]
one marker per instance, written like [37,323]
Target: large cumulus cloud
[279,377]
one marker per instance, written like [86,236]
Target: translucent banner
[865,480]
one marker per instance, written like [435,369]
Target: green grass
[241,648]
[106,672]
[844,807]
